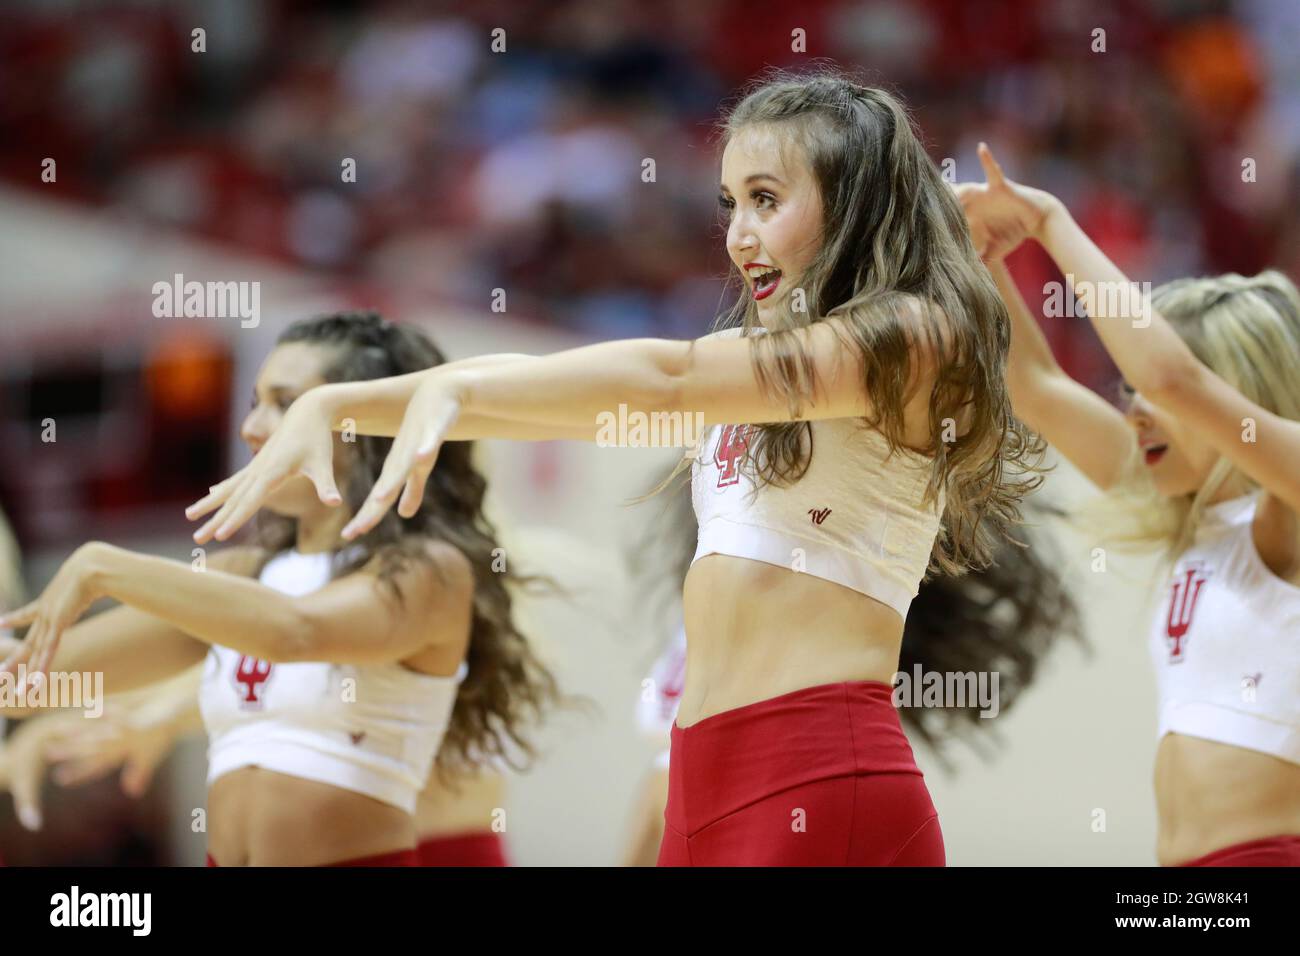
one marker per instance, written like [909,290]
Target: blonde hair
[1246,329]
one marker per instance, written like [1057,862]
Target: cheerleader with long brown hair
[335,670]
[858,432]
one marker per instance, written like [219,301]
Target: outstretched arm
[350,620]
[376,407]
[130,647]
[707,381]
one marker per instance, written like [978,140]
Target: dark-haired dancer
[866,437]
[334,671]
[1205,462]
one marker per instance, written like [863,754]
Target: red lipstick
[765,287]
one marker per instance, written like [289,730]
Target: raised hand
[303,444]
[1002,214]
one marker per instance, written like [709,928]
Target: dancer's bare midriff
[756,631]
[258,817]
[1211,795]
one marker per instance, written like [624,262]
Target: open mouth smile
[765,279]
[1153,453]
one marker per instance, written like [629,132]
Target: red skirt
[1271,851]
[478,848]
[819,777]
[396,858]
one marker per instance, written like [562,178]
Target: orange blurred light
[187,375]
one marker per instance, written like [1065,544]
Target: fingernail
[29,817]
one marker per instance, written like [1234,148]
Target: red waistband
[735,758]
[1270,851]
[475,848]
[396,858]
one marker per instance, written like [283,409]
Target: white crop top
[372,729]
[1226,641]
[853,518]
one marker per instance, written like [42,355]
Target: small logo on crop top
[357,737]
[819,515]
[1184,593]
[1249,684]
[250,674]
[732,444]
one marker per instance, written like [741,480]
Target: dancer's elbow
[669,379]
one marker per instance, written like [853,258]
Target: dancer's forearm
[1150,354]
[376,406]
[211,606]
[1084,427]
[632,372]
[565,394]
[575,387]
[1030,352]
[713,378]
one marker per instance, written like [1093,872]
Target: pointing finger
[992,170]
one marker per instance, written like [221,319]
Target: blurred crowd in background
[521,169]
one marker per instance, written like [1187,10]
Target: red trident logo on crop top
[1182,605]
[250,674]
[731,448]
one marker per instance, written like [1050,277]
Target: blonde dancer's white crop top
[1226,641]
[854,517]
[374,730]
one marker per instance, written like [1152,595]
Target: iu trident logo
[250,674]
[1182,605]
[731,448]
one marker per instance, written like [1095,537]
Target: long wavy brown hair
[507,687]
[894,242]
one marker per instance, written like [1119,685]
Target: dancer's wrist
[332,402]
[1054,216]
